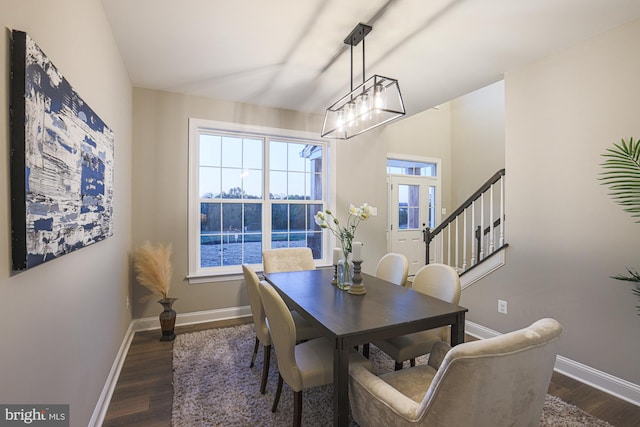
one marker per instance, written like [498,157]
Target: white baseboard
[151,323]
[182,319]
[614,386]
[100,411]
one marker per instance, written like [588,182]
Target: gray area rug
[214,386]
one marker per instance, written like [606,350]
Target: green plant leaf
[622,175]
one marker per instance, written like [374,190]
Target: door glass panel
[408,207]
[432,207]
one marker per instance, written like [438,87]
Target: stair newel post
[426,237]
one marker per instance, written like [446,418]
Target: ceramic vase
[167,319]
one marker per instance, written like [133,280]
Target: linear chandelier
[373,103]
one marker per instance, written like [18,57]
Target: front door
[412,208]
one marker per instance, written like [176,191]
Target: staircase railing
[472,232]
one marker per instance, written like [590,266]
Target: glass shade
[375,102]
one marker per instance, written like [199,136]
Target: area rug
[214,386]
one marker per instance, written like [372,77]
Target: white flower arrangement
[345,234]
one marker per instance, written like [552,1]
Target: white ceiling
[290,53]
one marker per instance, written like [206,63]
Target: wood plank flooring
[144,394]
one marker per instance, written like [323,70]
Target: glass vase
[345,273]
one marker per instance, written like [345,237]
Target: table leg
[341,384]
[457,330]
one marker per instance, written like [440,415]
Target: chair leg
[297,408]
[278,391]
[398,366]
[255,352]
[365,350]
[412,362]
[265,368]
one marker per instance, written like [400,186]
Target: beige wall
[477,140]
[64,321]
[566,236]
[425,134]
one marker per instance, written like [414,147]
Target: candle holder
[334,281]
[357,288]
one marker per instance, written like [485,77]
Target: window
[409,167]
[252,189]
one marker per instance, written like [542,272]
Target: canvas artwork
[61,162]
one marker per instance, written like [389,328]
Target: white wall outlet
[502,306]
[128,303]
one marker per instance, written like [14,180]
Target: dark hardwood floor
[144,394]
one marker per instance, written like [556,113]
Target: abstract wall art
[61,162]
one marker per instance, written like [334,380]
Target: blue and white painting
[67,162]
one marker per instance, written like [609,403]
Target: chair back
[500,381]
[252,282]
[439,281]
[393,268]
[287,259]
[283,334]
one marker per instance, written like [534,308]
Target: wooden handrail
[495,178]
[428,234]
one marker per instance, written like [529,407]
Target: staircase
[472,238]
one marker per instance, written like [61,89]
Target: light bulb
[340,120]
[363,106]
[378,97]
[350,112]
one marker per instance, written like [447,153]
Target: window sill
[228,277]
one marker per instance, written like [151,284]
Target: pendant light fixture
[375,102]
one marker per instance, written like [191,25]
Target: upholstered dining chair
[287,259]
[500,381]
[302,366]
[304,330]
[437,280]
[393,268]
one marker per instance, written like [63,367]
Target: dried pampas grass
[153,267]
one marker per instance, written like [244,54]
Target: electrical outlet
[128,303]
[502,306]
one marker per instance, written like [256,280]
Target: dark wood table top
[385,310]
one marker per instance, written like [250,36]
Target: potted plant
[622,175]
[153,270]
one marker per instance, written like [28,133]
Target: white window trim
[195,274]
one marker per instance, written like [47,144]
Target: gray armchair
[500,381]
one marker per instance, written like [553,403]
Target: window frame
[198,274]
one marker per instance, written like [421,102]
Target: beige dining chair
[304,330]
[498,382]
[393,268]
[437,280]
[287,259]
[304,365]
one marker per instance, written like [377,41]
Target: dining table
[384,311]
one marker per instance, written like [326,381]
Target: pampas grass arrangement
[153,267]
